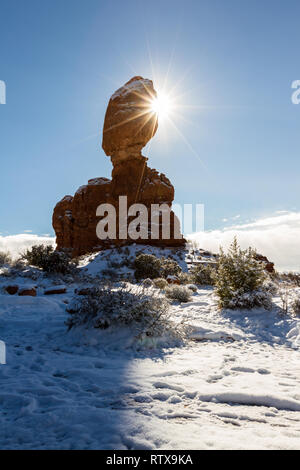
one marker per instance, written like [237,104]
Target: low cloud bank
[18,243]
[277,237]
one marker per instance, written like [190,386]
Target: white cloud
[17,243]
[277,237]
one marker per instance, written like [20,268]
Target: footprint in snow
[177,388]
[243,369]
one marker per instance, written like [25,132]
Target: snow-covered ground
[234,385]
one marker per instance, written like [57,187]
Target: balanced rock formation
[129,125]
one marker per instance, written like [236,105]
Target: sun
[162,106]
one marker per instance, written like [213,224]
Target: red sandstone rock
[173,280]
[55,290]
[12,290]
[63,222]
[31,292]
[129,121]
[129,125]
[268,265]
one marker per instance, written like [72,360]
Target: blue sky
[234,61]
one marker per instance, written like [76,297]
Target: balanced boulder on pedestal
[129,125]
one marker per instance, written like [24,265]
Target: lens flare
[162,106]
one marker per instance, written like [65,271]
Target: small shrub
[295,306]
[249,300]
[284,295]
[144,309]
[192,287]
[204,275]
[270,286]
[126,251]
[160,283]
[290,277]
[37,255]
[185,278]
[110,273]
[147,283]
[114,264]
[169,267]
[48,260]
[147,266]
[180,293]
[18,265]
[5,258]
[240,279]
[129,262]
[58,262]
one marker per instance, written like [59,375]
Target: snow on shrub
[169,267]
[185,278]
[5,258]
[270,286]
[149,266]
[192,287]
[290,277]
[240,280]
[203,275]
[180,293]
[249,300]
[284,295]
[48,260]
[160,283]
[144,309]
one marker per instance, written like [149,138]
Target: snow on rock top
[138,85]
[67,199]
[98,181]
